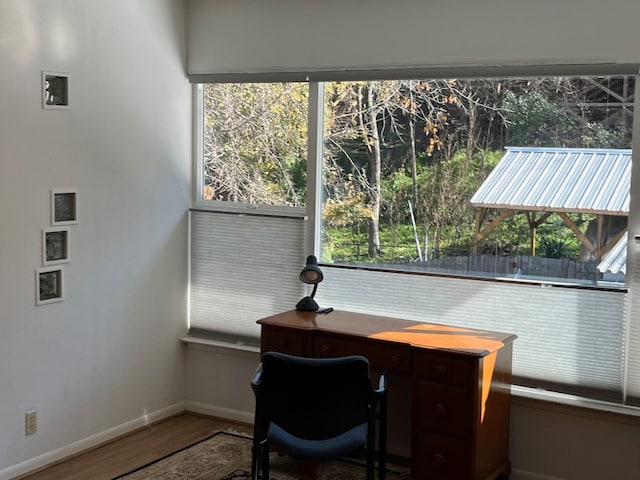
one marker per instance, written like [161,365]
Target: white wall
[571,443]
[107,358]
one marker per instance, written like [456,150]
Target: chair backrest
[314,398]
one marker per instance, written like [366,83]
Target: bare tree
[255,142]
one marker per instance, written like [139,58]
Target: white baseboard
[524,475]
[89,442]
[212,410]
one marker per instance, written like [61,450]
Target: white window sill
[239,345]
[574,405]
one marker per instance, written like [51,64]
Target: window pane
[255,143]
[523,178]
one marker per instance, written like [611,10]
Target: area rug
[227,456]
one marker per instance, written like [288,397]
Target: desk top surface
[416,334]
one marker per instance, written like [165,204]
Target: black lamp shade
[312,275]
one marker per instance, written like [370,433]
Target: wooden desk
[461,382]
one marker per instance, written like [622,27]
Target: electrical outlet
[30,422]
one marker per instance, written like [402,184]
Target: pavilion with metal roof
[540,181]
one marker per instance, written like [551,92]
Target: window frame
[198,180]
[312,211]
[480,73]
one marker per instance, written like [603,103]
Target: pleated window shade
[570,340]
[242,268]
[633,345]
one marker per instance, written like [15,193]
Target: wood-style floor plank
[136,449]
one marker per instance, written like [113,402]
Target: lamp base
[307,304]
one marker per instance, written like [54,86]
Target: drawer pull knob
[439,409]
[438,460]
[441,370]
[395,361]
[325,349]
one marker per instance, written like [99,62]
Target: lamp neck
[313,292]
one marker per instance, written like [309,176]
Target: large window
[510,178]
[497,203]
[524,178]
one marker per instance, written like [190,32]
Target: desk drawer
[443,408]
[439,457]
[393,358]
[446,368]
[282,340]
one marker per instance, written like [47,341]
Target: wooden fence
[514,266]
[517,266]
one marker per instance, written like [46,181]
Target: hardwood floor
[136,449]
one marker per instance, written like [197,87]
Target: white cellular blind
[569,339]
[633,362]
[243,268]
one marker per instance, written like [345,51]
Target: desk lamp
[312,275]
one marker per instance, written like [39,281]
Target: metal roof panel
[615,261]
[559,179]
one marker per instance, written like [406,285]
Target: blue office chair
[317,409]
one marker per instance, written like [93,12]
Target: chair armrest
[257,377]
[382,382]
